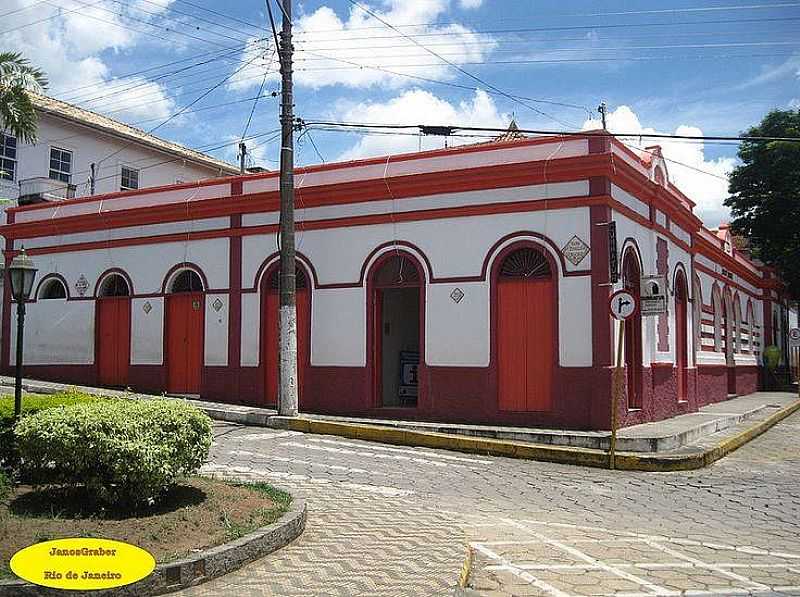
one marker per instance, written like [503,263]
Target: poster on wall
[409,365]
[653,295]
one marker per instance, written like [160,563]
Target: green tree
[17,77]
[765,195]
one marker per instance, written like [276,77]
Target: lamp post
[22,272]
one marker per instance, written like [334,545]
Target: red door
[113,349]
[682,352]
[185,323]
[271,341]
[525,343]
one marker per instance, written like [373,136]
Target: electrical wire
[457,67]
[51,17]
[552,132]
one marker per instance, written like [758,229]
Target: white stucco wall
[89,145]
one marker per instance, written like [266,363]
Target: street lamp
[22,272]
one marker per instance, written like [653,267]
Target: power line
[11,12]
[51,17]
[562,28]
[566,61]
[582,15]
[604,134]
[456,66]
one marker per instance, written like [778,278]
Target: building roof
[60,109]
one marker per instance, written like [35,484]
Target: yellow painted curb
[466,568]
[557,454]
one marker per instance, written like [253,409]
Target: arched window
[631,280]
[187,281]
[300,282]
[114,285]
[53,289]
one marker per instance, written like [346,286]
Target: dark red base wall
[448,394]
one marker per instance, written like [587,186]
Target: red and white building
[488,265]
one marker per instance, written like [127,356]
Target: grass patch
[262,516]
[197,514]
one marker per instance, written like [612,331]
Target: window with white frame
[60,164]
[8,157]
[129,180]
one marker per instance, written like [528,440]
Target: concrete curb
[546,453]
[195,569]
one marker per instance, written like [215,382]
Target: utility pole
[242,156]
[287,400]
[602,108]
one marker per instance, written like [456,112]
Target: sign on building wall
[575,250]
[653,295]
[409,381]
[613,259]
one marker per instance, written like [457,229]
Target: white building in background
[72,141]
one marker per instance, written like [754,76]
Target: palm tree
[17,77]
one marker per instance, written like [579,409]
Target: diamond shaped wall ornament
[575,250]
[147,307]
[217,305]
[82,285]
[457,295]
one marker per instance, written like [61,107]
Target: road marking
[382,490]
[526,576]
[645,566]
[700,563]
[656,589]
[375,455]
[333,467]
[268,436]
[402,450]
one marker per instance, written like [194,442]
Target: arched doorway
[681,343]
[270,332]
[185,332]
[631,279]
[113,331]
[396,297]
[526,331]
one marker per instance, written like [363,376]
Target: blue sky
[688,65]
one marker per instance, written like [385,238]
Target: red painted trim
[728,282]
[235,298]
[396,188]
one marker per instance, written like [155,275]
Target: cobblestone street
[386,520]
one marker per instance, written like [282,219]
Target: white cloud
[330,49]
[68,49]
[468,4]
[704,189]
[411,107]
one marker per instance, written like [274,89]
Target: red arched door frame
[631,278]
[270,332]
[681,341]
[386,274]
[113,330]
[185,333]
[525,301]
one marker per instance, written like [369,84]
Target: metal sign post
[622,305]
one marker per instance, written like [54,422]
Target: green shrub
[5,485]
[31,403]
[122,451]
